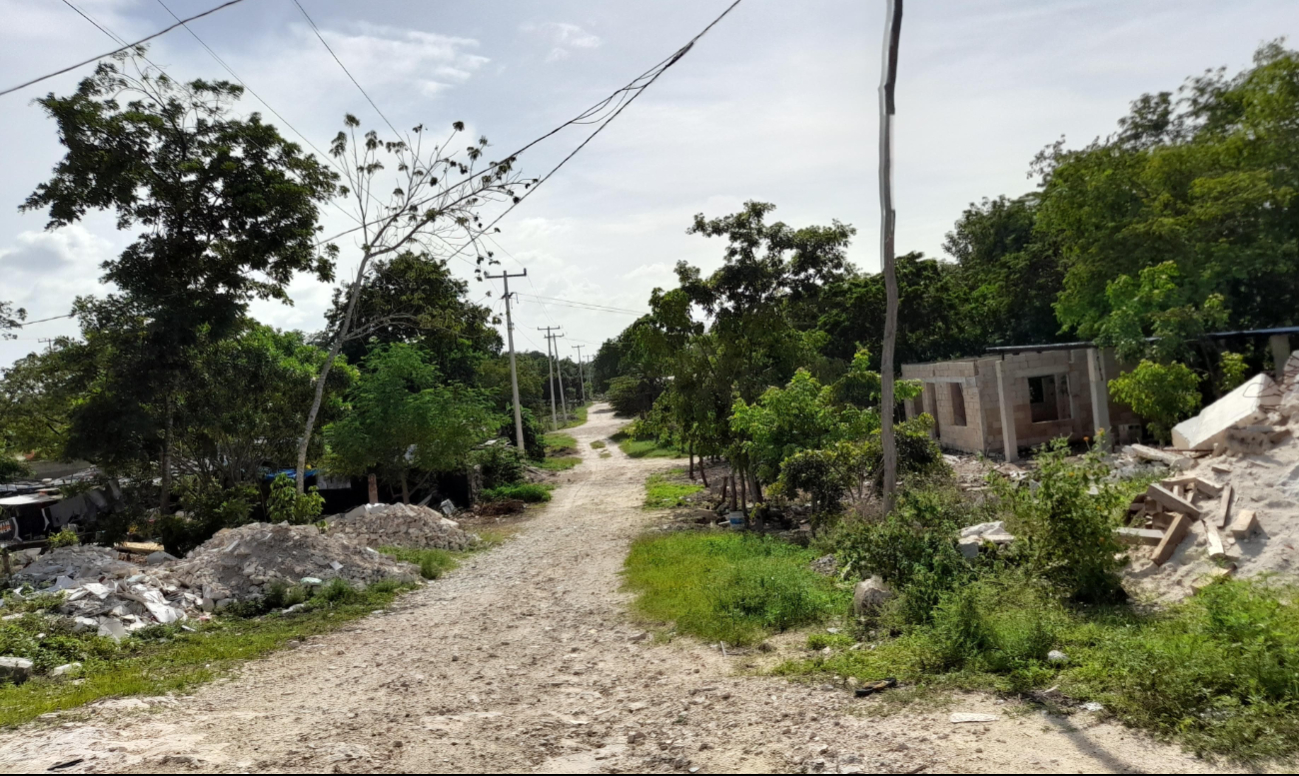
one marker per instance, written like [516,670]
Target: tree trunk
[374,488]
[164,479]
[405,489]
[744,491]
[692,461]
[757,488]
[892,33]
[343,329]
[734,498]
[703,472]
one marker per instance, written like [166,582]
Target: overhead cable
[159,33]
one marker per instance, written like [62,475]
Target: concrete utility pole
[514,370]
[550,375]
[888,79]
[581,379]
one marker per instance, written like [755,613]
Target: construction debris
[1235,513]
[973,537]
[240,563]
[400,525]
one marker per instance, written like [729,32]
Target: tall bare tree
[432,208]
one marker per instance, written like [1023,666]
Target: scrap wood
[1216,550]
[1213,576]
[1171,502]
[1159,456]
[1224,507]
[1199,484]
[1172,538]
[1147,536]
[1245,523]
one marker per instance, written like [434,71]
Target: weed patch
[598,444]
[529,493]
[646,448]
[432,563]
[730,587]
[667,490]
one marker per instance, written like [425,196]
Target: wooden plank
[1216,550]
[1224,507]
[1198,484]
[1174,460]
[1172,503]
[1161,520]
[1146,536]
[1246,522]
[1207,487]
[1221,468]
[1172,538]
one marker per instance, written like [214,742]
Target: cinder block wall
[938,379]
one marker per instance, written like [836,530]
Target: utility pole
[514,370]
[888,79]
[581,379]
[550,375]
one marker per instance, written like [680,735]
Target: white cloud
[563,37]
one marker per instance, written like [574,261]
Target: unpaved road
[525,660]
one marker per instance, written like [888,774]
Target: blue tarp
[290,473]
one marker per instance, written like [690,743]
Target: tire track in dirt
[524,660]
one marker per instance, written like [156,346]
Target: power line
[46,320]
[585,305]
[345,70]
[88,18]
[178,23]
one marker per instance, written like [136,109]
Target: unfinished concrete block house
[1018,397]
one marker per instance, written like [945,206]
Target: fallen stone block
[1172,460]
[15,669]
[1247,405]
[1246,523]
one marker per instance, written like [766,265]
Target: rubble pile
[239,563]
[1230,505]
[105,594]
[401,525]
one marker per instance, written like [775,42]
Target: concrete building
[1020,397]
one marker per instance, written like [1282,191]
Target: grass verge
[525,492]
[645,448]
[578,418]
[731,587]
[165,658]
[669,489]
[1219,673]
[559,452]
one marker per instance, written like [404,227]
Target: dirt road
[525,660]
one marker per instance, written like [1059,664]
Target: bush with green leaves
[1163,394]
[526,492]
[286,505]
[1064,521]
[64,538]
[204,511]
[500,464]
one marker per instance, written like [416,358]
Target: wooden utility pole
[550,375]
[888,79]
[514,370]
[581,379]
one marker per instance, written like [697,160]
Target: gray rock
[159,557]
[970,547]
[15,669]
[65,669]
[112,628]
[1057,657]
[870,595]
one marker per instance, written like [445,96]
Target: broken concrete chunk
[66,668]
[1173,460]
[112,628]
[960,717]
[158,558]
[15,669]
[1247,405]
[870,595]
[1216,550]
[1246,523]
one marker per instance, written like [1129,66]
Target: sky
[778,103]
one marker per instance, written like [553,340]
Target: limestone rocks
[401,525]
[870,595]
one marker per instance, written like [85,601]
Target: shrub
[500,465]
[285,505]
[1065,522]
[532,434]
[432,563]
[64,538]
[532,494]
[1163,394]
[206,510]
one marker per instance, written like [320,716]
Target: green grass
[526,492]
[598,444]
[731,587]
[166,658]
[645,448]
[578,418]
[432,563]
[669,489]
[559,452]
[1218,673]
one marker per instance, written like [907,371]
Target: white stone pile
[240,563]
[105,594]
[401,525]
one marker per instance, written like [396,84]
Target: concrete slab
[1247,405]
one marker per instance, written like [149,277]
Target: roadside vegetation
[669,489]
[561,452]
[730,587]
[649,446]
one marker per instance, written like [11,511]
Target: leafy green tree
[227,210]
[286,505]
[10,318]
[402,418]
[1162,393]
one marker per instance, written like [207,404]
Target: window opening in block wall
[958,404]
[1048,398]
